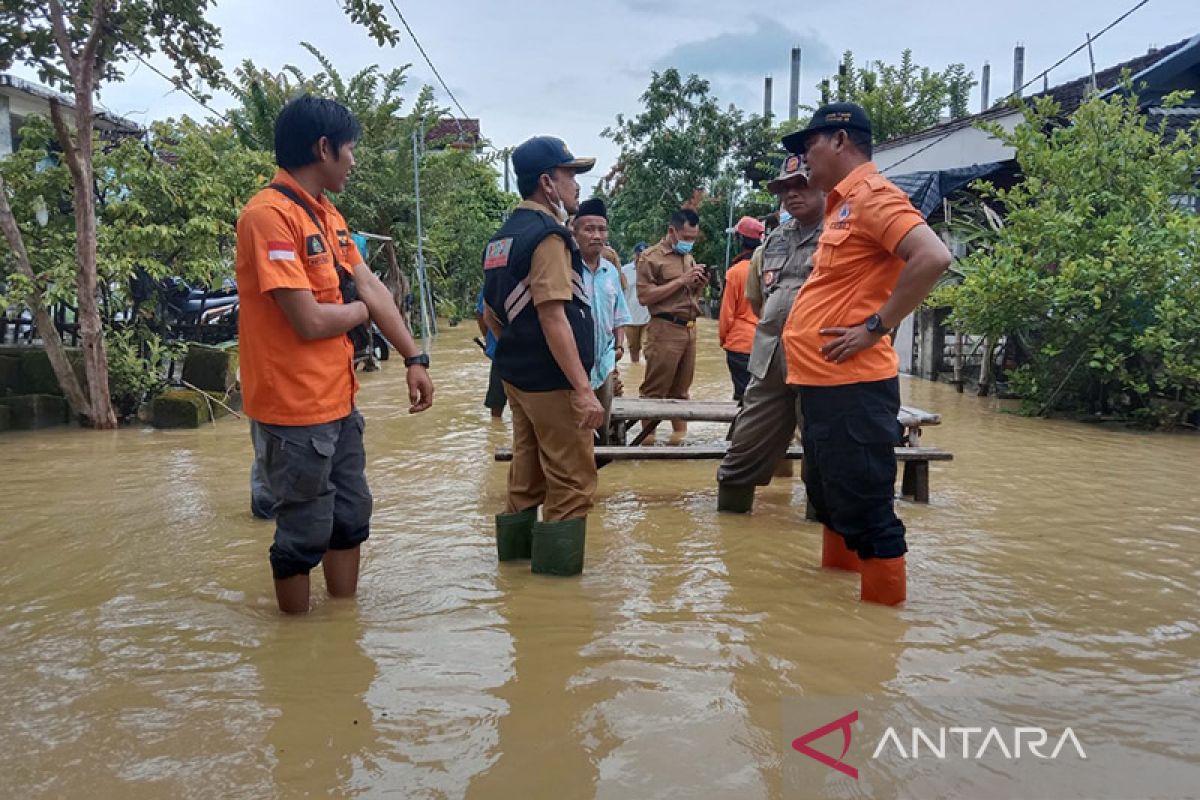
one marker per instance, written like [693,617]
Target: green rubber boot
[735,499]
[514,534]
[558,547]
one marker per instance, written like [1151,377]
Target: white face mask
[560,207]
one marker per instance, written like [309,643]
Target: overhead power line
[436,74]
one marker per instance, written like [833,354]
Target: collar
[847,184]
[285,177]
[534,205]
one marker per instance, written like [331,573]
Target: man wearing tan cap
[737,319]
[769,417]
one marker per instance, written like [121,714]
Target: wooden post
[985,369]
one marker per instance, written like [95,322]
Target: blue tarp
[926,190]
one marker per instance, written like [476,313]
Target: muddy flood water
[141,654]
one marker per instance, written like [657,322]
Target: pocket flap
[873,429]
[324,446]
[834,236]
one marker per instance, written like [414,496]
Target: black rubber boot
[735,499]
[558,547]
[514,534]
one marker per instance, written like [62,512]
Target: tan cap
[793,167]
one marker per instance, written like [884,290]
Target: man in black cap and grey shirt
[539,311]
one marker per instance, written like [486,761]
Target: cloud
[764,49]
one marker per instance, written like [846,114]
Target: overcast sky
[527,67]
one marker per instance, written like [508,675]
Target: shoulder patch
[497,253]
[313,245]
[343,237]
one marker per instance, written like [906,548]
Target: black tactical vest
[523,357]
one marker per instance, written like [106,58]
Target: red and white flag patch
[281,251]
[497,253]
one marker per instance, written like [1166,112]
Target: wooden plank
[636,408]
[703,452]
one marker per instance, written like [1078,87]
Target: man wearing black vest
[536,305]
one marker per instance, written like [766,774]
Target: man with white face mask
[537,307]
[670,283]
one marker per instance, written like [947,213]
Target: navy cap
[544,153]
[832,117]
[639,247]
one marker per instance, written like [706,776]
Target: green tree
[903,98]
[1097,269]
[167,207]
[672,154]
[77,45]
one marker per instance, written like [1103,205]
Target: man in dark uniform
[767,422]
[537,307]
[875,263]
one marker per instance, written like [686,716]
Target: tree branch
[58,23]
[70,148]
[89,67]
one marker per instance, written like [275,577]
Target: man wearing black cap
[535,299]
[875,262]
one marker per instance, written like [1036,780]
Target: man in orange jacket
[738,320]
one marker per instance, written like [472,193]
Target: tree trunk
[78,152]
[41,312]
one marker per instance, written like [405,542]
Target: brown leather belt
[686,323]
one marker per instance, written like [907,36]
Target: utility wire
[462,132]
[1017,92]
[179,86]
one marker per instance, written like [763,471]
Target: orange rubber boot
[835,554]
[884,581]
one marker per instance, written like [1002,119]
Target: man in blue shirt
[610,313]
[495,399]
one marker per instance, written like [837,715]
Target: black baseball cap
[832,117]
[543,153]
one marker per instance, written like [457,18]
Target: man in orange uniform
[737,319]
[304,289]
[875,262]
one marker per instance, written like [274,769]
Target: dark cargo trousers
[849,433]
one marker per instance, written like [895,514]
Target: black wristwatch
[874,325]
[419,360]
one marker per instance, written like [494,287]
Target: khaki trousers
[670,360]
[764,428]
[553,463]
[633,338]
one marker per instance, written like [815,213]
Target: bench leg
[916,481]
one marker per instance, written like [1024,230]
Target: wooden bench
[915,459]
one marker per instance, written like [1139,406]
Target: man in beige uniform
[536,305]
[669,284]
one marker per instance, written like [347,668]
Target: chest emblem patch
[313,245]
[496,254]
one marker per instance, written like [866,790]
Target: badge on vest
[343,238]
[496,254]
[313,245]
